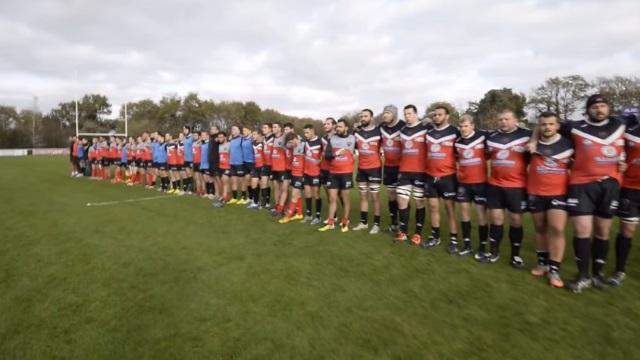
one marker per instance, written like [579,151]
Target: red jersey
[130,152]
[509,157]
[631,177]
[391,143]
[172,153]
[258,154]
[267,147]
[549,168]
[441,151]
[225,160]
[74,150]
[413,148]
[368,145]
[325,163]
[197,152]
[598,149]
[118,152]
[341,163]
[288,155]
[92,152]
[180,153]
[103,150]
[146,151]
[297,163]
[278,154]
[472,160]
[313,156]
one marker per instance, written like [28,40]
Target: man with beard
[369,170]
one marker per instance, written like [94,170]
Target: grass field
[174,278]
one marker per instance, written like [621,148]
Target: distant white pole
[126,134]
[77,127]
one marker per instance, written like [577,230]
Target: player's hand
[622,166]
[532,147]
[340,152]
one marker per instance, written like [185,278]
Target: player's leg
[315,194]
[332,191]
[308,200]
[516,235]
[556,224]
[541,233]
[374,190]
[345,189]
[363,191]
[403,196]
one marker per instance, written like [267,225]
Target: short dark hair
[290,136]
[309,126]
[187,127]
[445,108]
[268,124]
[222,133]
[548,114]
[412,107]
[276,123]
[369,111]
[333,121]
[289,125]
[344,121]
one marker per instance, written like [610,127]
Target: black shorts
[175,167]
[106,162]
[373,176]
[162,166]
[237,170]
[599,198]
[313,181]
[265,170]
[390,178]
[137,163]
[154,164]
[324,177]
[629,209]
[443,187]
[124,163]
[148,164]
[226,172]
[539,203]
[204,171]
[287,175]
[256,172]
[476,193]
[512,199]
[340,181]
[278,175]
[411,178]
[297,182]
[188,164]
[215,171]
[248,168]
[196,167]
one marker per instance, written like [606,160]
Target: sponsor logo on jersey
[609,151]
[468,154]
[503,154]
[434,148]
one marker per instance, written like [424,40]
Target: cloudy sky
[307,58]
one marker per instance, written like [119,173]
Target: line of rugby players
[585,170]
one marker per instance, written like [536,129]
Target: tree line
[26,128]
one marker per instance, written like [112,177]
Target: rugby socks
[265,196]
[495,237]
[364,217]
[543,257]
[376,220]
[209,187]
[466,233]
[420,214]
[256,195]
[515,235]
[404,219]
[244,195]
[318,207]
[308,202]
[582,251]
[483,232]
[453,237]
[435,232]
[393,212]
[599,252]
[623,247]
[299,207]
[234,193]
[554,267]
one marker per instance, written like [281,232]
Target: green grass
[174,278]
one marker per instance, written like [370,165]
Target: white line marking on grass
[105,203]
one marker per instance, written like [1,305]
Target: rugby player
[312,160]
[411,175]
[440,176]
[472,178]
[340,152]
[369,175]
[391,151]
[547,185]
[507,185]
